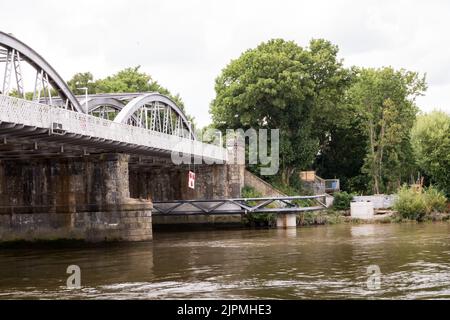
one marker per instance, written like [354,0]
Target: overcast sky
[185,44]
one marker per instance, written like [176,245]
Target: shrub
[414,204]
[304,202]
[342,200]
[260,219]
[319,218]
[310,218]
[249,192]
[257,219]
[410,204]
[435,200]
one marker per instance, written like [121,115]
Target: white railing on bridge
[29,113]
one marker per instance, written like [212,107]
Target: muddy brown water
[325,262]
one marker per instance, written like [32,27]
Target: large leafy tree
[280,85]
[332,80]
[431,144]
[342,156]
[82,80]
[384,100]
[126,80]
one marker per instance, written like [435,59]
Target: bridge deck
[32,121]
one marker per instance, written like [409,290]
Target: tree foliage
[282,85]
[126,80]
[431,144]
[342,156]
[342,200]
[344,143]
[384,101]
[82,80]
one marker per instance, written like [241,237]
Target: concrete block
[286,220]
[362,210]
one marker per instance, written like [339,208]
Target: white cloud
[185,44]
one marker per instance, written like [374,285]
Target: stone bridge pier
[102,197]
[71,198]
[218,181]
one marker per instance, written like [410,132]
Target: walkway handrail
[237,205]
[317,196]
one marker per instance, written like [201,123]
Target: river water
[325,262]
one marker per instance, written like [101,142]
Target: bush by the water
[256,219]
[260,219]
[249,192]
[416,204]
[435,200]
[319,218]
[342,200]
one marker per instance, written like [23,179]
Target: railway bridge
[91,167]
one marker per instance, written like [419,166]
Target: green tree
[126,80]
[342,156]
[342,135]
[431,144]
[281,85]
[385,102]
[82,80]
[332,81]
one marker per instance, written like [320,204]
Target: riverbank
[249,221]
[332,217]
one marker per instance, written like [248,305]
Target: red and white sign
[191,181]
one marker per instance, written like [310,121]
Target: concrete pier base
[126,222]
[85,198]
[286,220]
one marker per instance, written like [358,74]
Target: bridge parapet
[105,133]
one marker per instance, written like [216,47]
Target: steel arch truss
[152,111]
[156,112]
[13,53]
[103,107]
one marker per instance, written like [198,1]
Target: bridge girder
[152,111]
[16,51]
[97,102]
[153,103]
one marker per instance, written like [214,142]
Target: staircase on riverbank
[318,185]
[261,186]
